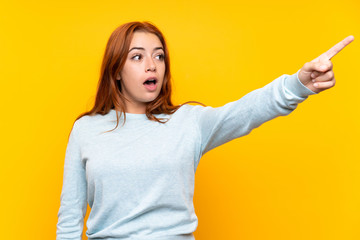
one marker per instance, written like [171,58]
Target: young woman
[138,178]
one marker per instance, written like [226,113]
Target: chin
[150,99]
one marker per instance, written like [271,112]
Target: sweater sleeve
[235,119]
[73,201]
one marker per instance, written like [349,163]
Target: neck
[135,109]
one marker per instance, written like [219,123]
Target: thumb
[305,72]
[309,68]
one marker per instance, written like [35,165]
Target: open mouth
[150,82]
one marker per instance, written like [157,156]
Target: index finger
[337,48]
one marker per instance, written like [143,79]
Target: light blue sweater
[139,179]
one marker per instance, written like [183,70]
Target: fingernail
[313,80]
[315,84]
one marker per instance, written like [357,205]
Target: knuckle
[330,74]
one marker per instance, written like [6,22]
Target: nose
[150,66]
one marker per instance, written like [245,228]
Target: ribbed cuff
[294,85]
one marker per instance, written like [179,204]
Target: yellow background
[295,177]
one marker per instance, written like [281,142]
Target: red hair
[109,95]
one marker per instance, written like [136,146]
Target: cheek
[130,74]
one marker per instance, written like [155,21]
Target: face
[145,60]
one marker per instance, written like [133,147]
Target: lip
[152,77]
[151,87]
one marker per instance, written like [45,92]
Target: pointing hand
[318,74]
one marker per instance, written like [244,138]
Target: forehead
[145,40]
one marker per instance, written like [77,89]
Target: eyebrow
[140,48]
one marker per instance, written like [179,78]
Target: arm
[73,201]
[280,97]
[235,119]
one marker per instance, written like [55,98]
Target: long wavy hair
[109,94]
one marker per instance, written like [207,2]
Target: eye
[136,57]
[160,57]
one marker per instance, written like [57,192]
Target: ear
[118,77]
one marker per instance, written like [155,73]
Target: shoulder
[195,110]
[185,111]
[187,108]
[85,124]
[192,113]
[82,122]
